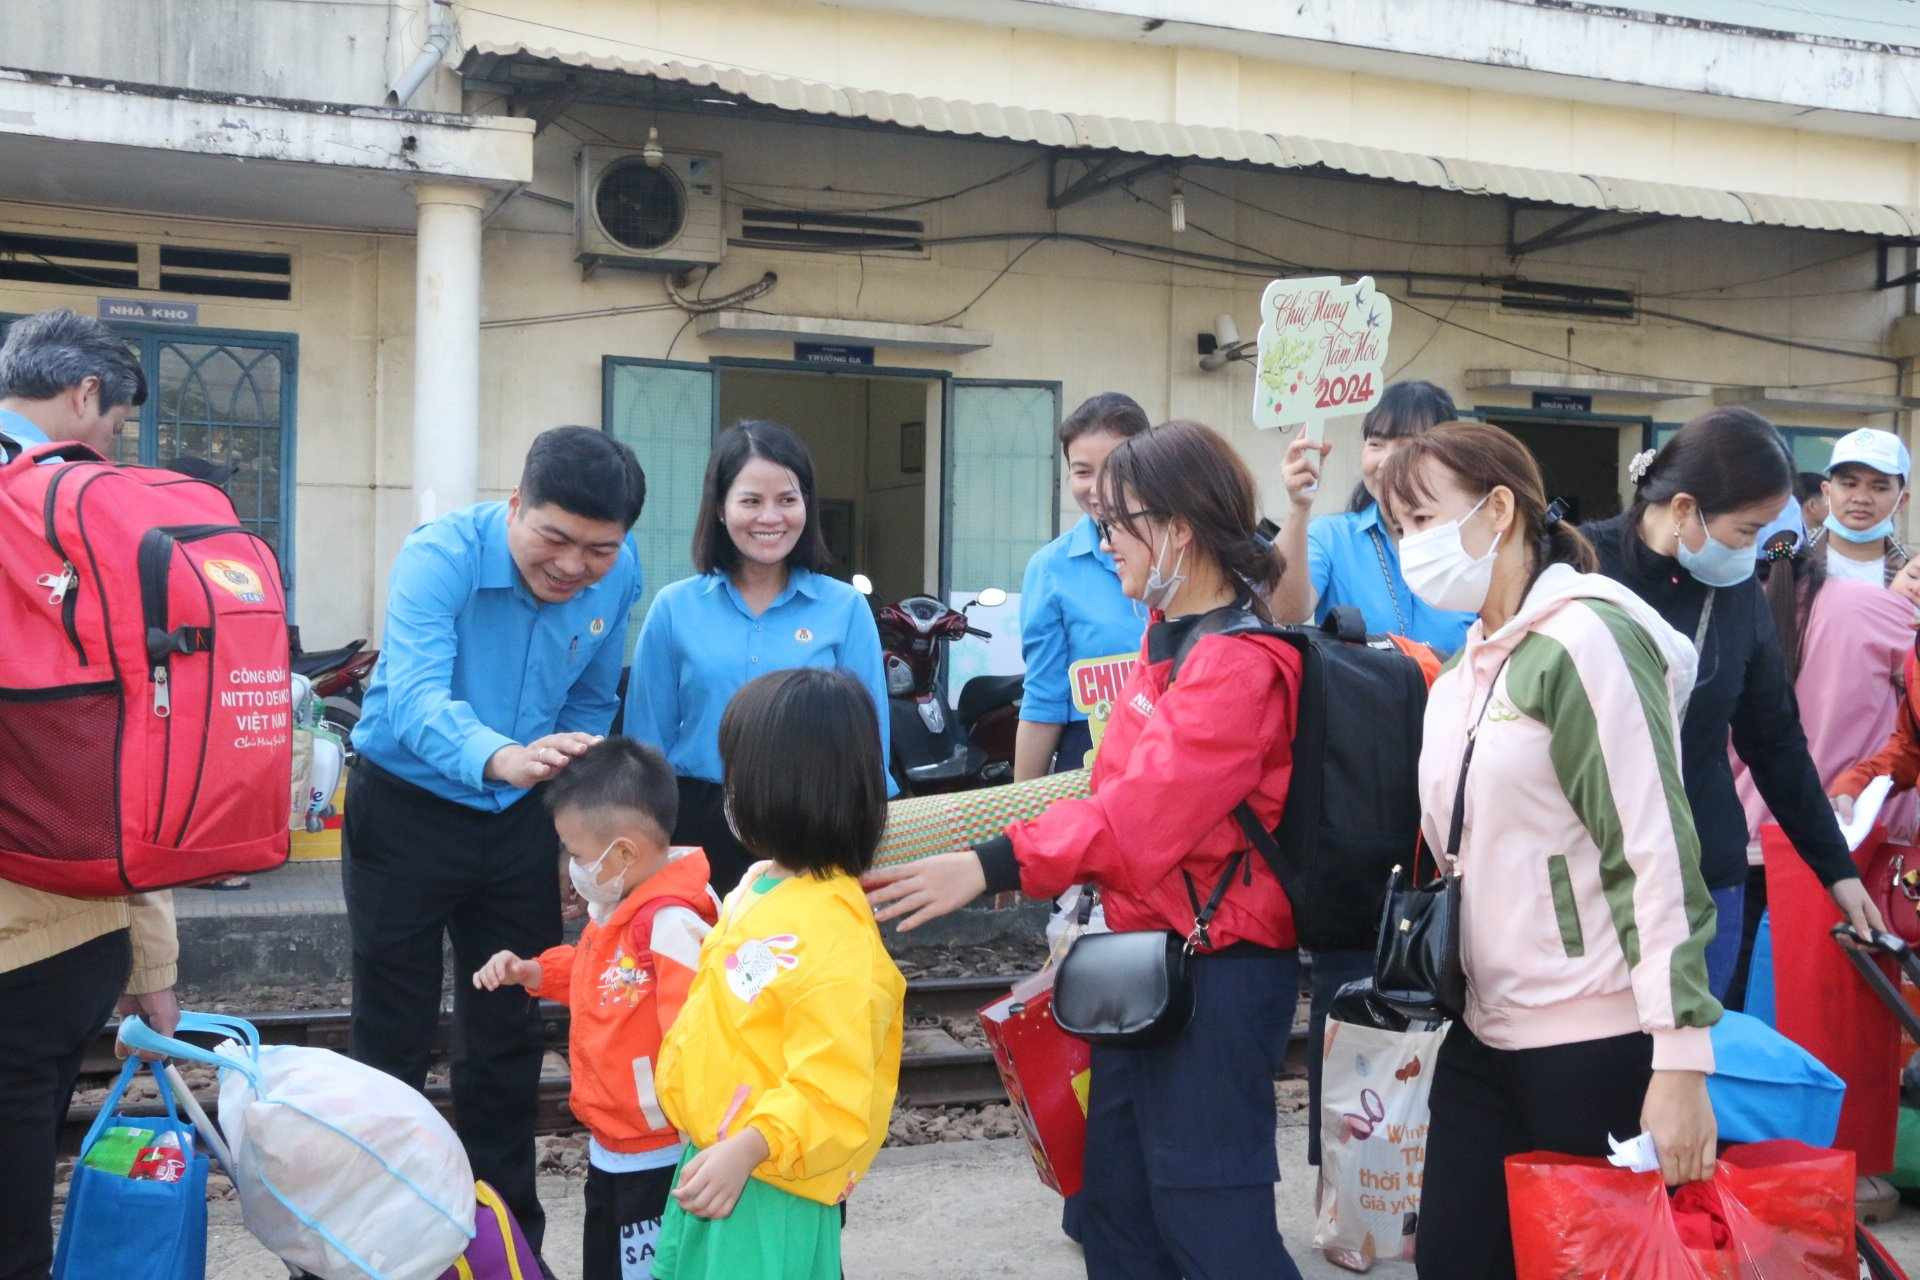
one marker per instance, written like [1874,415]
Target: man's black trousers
[416,867]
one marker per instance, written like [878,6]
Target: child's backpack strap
[640,925]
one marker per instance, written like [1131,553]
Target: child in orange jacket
[624,982]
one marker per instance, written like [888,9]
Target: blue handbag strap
[138,1035]
[115,1094]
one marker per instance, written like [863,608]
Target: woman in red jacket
[1180,1160]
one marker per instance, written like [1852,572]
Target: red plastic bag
[1784,1208]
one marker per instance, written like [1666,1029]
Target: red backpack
[145,714]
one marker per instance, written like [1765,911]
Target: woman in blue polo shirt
[1071,606]
[760,602]
[1354,559]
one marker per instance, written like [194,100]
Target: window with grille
[226,398]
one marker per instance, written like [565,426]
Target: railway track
[935,1069]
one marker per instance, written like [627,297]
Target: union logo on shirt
[803,636]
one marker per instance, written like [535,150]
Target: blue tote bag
[1764,1086]
[135,1228]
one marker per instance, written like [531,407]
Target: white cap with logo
[1869,447]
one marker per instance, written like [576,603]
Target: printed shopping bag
[1046,1073]
[1772,1210]
[1374,1085]
[137,1207]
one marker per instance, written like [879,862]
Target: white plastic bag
[1373,1141]
[340,1169]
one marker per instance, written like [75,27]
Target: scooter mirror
[863,584]
[991,598]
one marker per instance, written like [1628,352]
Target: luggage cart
[1875,1262]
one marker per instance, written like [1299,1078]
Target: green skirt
[770,1235]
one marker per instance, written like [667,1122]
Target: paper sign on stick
[1323,346]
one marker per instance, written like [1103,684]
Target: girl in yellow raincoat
[782,1067]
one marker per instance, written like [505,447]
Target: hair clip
[1556,512]
[1264,533]
[1638,468]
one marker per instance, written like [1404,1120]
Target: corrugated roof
[1242,146]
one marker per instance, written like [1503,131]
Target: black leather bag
[1133,988]
[1416,959]
[1416,962]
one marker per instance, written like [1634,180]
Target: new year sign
[1322,348]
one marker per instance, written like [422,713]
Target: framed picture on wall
[913,448]
[836,527]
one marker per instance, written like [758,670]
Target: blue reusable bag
[1759,1002]
[1764,1086]
[135,1229]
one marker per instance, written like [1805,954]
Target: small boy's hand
[507,970]
[713,1180]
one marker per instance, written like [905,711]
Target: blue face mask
[1877,533]
[1716,564]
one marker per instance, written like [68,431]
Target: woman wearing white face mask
[1180,1154]
[1686,547]
[1549,776]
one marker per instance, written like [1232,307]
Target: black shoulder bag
[1135,988]
[1416,960]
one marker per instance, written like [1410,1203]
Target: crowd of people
[1623,708]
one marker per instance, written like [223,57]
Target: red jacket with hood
[1173,765]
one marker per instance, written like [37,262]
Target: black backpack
[1353,805]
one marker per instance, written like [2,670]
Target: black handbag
[1416,958]
[1133,988]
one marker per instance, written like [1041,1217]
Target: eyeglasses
[1105,526]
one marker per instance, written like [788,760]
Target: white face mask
[1439,569]
[1159,592]
[601,898]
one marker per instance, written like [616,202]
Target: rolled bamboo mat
[921,826]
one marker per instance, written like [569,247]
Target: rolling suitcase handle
[1861,955]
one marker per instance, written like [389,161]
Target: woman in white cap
[1866,488]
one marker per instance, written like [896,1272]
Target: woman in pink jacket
[1550,776]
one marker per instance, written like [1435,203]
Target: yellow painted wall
[335,314]
[1045,70]
[1090,318]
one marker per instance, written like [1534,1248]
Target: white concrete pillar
[446,349]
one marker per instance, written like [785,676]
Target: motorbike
[934,749]
[339,677]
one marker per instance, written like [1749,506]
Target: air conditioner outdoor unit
[630,215]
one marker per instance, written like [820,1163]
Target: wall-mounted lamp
[1223,346]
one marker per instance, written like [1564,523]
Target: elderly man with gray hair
[65,963]
[66,377]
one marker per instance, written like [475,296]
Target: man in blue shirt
[500,664]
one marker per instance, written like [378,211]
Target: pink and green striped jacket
[1584,911]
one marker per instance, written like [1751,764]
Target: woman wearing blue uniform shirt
[1071,605]
[1354,559]
[760,602]
[1351,558]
